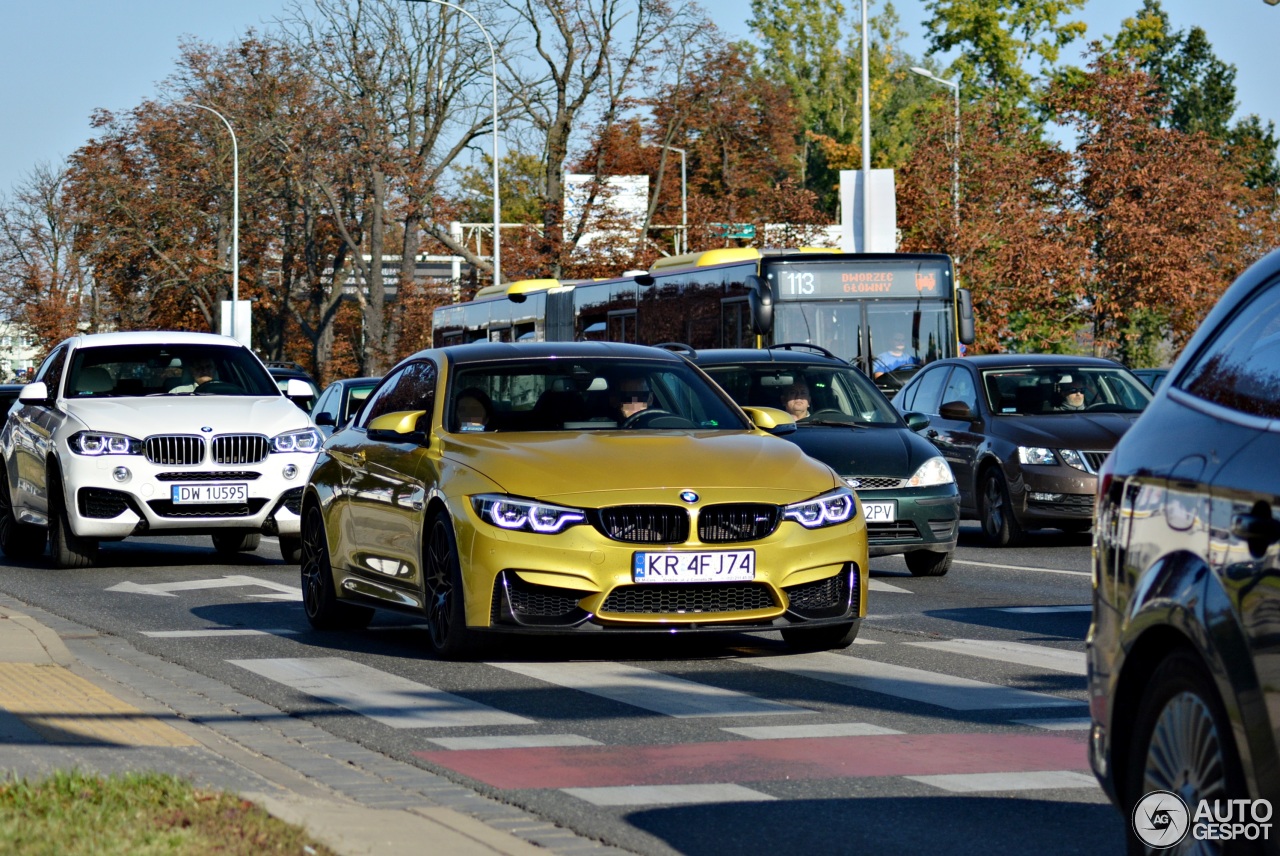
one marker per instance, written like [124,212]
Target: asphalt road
[954,725]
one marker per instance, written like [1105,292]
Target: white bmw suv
[124,434]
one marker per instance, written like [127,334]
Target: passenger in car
[472,410]
[202,372]
[1070,394]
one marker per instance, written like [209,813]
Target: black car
[907,491]
[284,371]
[1025,434]
[1184,648]
[340,401]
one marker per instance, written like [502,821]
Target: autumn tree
[46,286]
[588,56]
[1018,248]
[1161,211]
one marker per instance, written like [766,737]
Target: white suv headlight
[305,440]
[525,514]
[932,472]
[830,509]
[101,443]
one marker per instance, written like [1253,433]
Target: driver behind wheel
[631,396]
[796,401]
[1073,393]
[202,372]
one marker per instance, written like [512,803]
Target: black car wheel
[442,591]
[230,543]
[1182,740]
[924,563]
[319,597]
[68,549]
[820,638]
[17,540]
[999,526]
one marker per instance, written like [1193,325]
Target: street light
[497,205]
[235,213]
[684,207]
[954,85]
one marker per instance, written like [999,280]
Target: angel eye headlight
[100,443]
[830,509]
[526,515]
[306,440]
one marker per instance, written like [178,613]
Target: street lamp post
[235,213]
[954,86]
[684,198]
[497,204]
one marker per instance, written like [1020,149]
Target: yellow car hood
[563,465]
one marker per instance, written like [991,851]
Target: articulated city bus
[852,305]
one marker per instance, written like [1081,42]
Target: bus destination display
[888,279]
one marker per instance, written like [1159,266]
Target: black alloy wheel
[319,597]
[1182,740]
[442,592]
[1000,528]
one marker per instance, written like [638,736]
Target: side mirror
[760,299]
[325,418]
[35,393]
[298,388]
[916,421]
[398,427]
[964,315]
[957,410]
[771,419]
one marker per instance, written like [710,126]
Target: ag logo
[1161,820]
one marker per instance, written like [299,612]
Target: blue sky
[62,59]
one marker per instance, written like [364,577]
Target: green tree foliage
[1004,46]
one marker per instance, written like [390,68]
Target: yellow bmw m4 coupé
[576,488]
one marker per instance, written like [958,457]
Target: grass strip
[138,814]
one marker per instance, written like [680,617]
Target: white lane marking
[1020,653]
[968,783]
[513,741]
[667,794]
[390,699]
[216,631]
[650,690]
[861,641]
[279,590]
[1075,723]
[904,682]
[788,732]
[1021,568]
[1040,610]
[881,585]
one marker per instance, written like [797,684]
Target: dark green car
[907,490]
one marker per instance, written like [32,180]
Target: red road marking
[765,760]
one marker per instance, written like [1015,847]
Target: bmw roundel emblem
[688,496]
[206,428]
